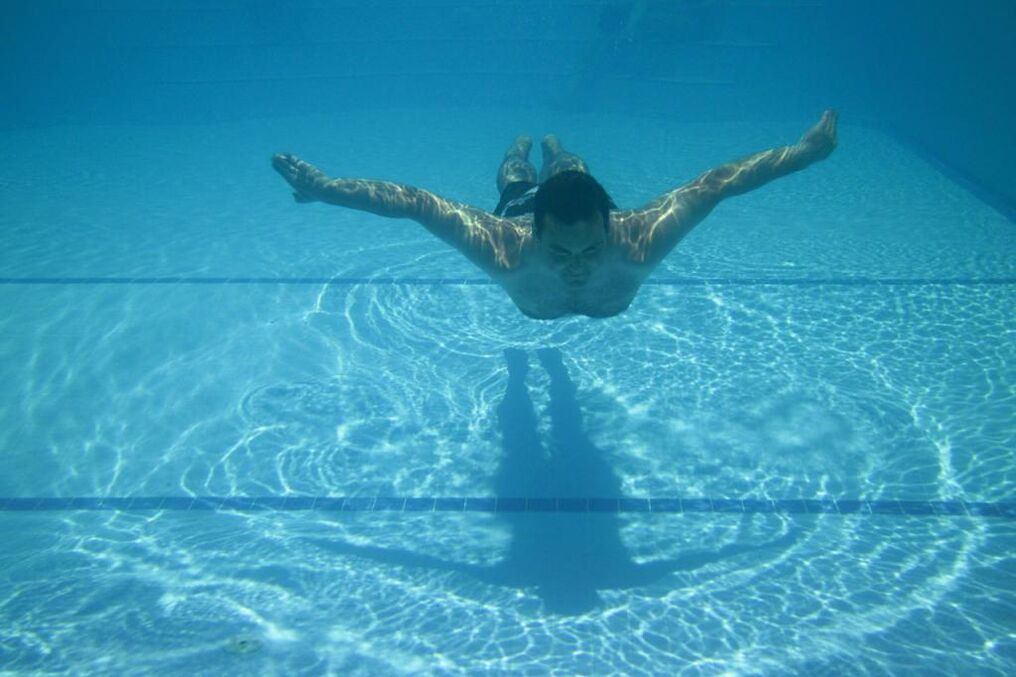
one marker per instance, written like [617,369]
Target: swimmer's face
[574,250]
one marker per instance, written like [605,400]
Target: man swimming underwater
[560,246]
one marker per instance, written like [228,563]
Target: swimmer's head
[571,224]
[571,197]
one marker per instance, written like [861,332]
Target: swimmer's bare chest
[541,293]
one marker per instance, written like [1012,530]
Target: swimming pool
[240,435]
[283,438]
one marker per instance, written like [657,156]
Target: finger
[289,172]
[280,163]
[285,161]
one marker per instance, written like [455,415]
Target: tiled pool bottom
[262,438]
[414,504]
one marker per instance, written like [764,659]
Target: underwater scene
[543,337]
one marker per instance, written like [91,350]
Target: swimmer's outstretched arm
[490,242]
[654,230]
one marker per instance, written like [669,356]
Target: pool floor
[244,434]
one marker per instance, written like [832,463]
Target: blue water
[244,435]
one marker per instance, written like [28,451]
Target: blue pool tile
[205,503]
[340,281]
[481,504]
[81,503]
[145,503]
[299,503]
[666,504]
[816,506]
[239,503]
[758,505]
[603,505]
[329,503]
[541,505]
[270,502]
[177,503]
[450,504]
[727,505]
[357,504]
[634,505]
[511,505]
[886,507]
[947,508]
[22,503]
[848,507]
[693,505]
[419,505]
[572,504]
[916,508]
[792,506]
[389,504]
[983,509]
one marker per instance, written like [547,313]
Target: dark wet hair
[571,196]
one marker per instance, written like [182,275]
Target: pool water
[822,372]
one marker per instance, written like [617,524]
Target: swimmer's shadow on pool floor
[567,557]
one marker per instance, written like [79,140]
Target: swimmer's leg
[515,166]
[557,159]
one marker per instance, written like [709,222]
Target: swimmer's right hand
[305,179]
[820,140]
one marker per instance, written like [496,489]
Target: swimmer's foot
[551,146]
[515,167]
[820,140]
[305,179]
[520,148]
[556,159]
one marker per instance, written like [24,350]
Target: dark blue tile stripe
[514,504]
[751,281]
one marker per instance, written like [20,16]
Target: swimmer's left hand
[305,178]
[821,139]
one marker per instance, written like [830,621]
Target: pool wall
[936,72]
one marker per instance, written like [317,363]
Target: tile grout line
[508,504]
[423,281]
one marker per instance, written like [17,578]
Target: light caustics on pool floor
[414,504]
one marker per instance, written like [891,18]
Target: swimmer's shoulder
[514,242]
[628,233]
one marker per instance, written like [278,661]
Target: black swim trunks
[517,199]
